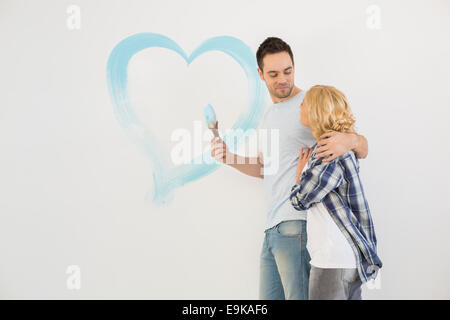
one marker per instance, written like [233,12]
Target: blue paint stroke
[166,176]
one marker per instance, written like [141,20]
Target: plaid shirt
[338,186]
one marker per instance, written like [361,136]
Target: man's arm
[251,166]
[361,146]
[338,143]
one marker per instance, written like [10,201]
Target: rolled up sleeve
[315,183]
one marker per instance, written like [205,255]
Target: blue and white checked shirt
[338,186]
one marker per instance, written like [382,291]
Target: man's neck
[293,93]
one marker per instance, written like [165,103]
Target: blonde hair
[328,110]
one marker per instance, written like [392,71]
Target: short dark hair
[269,46]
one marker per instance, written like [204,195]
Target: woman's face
[304,114]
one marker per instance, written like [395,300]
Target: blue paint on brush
[209,113]
[166,176]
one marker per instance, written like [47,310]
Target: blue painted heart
[166,176]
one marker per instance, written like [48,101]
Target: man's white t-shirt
[280,136]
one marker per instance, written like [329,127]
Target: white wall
[73,185]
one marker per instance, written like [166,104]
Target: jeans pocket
[292,229]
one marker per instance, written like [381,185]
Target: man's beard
[279,95]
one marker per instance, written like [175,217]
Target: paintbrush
[211,121]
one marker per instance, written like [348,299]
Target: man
[284,267]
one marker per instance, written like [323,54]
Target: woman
[341,237]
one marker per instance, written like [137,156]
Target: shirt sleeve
[315,183]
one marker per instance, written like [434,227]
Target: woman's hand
[302,161]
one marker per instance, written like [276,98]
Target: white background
[72,185]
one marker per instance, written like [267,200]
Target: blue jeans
[284,268]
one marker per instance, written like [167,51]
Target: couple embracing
[319,240]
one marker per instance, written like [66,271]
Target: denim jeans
[284,268]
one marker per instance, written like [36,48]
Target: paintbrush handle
[214,126]
[216,133]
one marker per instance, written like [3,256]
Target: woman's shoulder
[350,154]
[349,159]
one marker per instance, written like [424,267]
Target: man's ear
[261,74]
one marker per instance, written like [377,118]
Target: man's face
[278,73]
